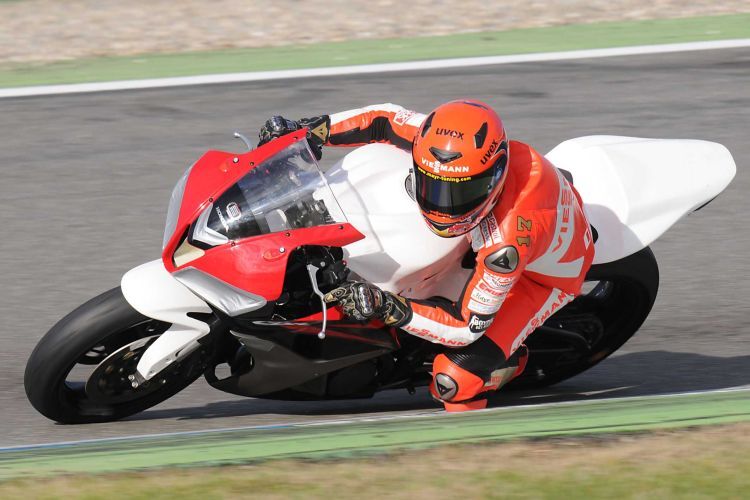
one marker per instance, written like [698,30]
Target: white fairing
[635,189]
[399,252]
[155,293]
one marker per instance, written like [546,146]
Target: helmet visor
[455,196]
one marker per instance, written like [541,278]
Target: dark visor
[455,197]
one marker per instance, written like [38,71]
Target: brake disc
[113,380]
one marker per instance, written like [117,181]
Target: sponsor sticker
[402,116]
[233,211]
[438,167]
[480,308]
[477,240]
[484,297]
[494,229]
[495,292]
[498,282]
[222,219]
[493,150]
[451,133]
[478,324]
[426,334]
[542,316]
[485,234]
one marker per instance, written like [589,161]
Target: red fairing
[256,264]
[213,174]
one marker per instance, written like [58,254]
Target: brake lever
[312,271]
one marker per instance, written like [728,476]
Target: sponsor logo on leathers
[424,333]
[486,234]
[402,116]
[495,292]
[488,298]
[478,324]
[556,300]
[498,282]
[479,308]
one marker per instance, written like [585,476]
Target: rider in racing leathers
[525,222]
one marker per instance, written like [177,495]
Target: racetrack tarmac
[86,178]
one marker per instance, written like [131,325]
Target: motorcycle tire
[92,335]
[605,318]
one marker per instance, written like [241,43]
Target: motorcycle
[254,240]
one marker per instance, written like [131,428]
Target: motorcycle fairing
[289,353]
[154,292]
[634,189]
[233,247]
[257,264]
[210,176]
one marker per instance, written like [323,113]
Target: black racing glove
[317,135]
[363,302]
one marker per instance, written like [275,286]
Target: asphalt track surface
[85,180]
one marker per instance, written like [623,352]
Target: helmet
[460,157]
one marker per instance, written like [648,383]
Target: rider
[526,225]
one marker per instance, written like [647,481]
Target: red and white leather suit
[532,253]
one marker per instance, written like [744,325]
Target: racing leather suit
[532,254]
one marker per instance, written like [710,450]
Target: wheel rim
[93,362]
[113,381]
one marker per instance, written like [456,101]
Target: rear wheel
[619,296]
[82,369]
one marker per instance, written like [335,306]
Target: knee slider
[446,387]
[453,383]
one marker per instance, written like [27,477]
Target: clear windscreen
[286,191]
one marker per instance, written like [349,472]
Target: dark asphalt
[86,178]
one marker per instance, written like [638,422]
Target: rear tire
[88,336]
[606,318]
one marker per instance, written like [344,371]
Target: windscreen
[286,191]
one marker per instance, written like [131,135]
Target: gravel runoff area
[42,31]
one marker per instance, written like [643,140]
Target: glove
[363,302]
[317,133]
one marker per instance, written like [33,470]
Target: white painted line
[367,418]
[464,62]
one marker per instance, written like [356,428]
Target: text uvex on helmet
[460,163]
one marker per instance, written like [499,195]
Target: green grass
[560,38]
[711,462]
[362,437]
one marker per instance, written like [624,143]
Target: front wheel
[81,370]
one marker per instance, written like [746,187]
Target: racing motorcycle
[254,240]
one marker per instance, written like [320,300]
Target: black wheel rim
[93,360]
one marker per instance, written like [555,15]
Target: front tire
[93,335]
